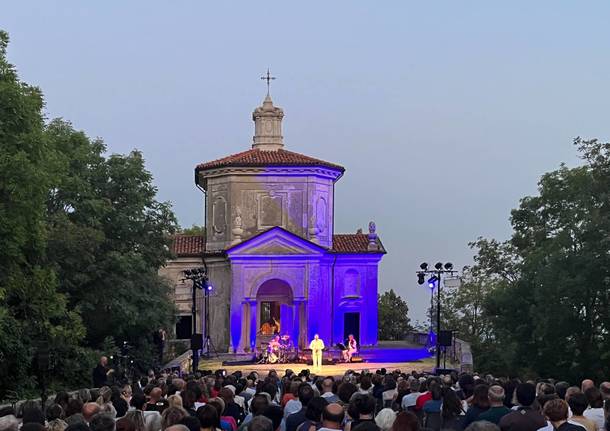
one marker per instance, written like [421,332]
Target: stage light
[421,278]
[424,266]
[448,266]
[438,265]
[432,281]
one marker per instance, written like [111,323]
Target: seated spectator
[305,396]
[361,410]
[208,418]
[102,422]
[144,420]
[313,414]
[232,409]
[595,411]
[482,426]
[275,414]
[385,419]
[524,417]
[578,404]
[90,410]
[125,424]
[74,412]
[260,423]
[556,411]
[405,421]
[408,401]
[497,409]
[327,390]
[478,404]
[172,416]
[9,423]
[104,401]
[332,417]
[191,422]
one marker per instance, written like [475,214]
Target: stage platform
[389,355]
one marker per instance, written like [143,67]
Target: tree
[393,316]
[193,230]
[109,237]
[31,308]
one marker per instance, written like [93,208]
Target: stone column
[252,325]
[300,324]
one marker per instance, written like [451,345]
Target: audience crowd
[357,401]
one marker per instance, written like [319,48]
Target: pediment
[276,241]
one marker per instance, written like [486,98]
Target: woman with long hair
[478,404]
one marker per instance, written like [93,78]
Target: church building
[274,261]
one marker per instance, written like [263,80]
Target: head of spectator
[556,412]
[191,422]
[496,396]
[55,411]
[275,414]
[578,403]
[315,408]
[362,406]
[138,400]
[172,416]
[332,416]
[466,383]
[327,385]
[452,405]
[483,426]
[260,423]
[102,422]
[9,423]
[31,413]
[259,404]
[586,384]
[174,401]
[605,390]
[75,406]
[405,421]
[90,410]
[125,424]
[594,398]
[32,426]
[208,416]
[84,395]
[105,394]
[561,388]
[526,394]
[385,419]
[155,395]
[306,394]
[480,397]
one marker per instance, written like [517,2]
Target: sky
[443,113]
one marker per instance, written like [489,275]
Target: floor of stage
[388,355]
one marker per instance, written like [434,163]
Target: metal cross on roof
[268,78]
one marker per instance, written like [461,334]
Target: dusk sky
[444,114]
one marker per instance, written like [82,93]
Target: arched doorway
[275,305]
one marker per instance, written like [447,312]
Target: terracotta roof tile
[256,157]
[354,243]
[188,245]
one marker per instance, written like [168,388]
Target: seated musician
[274,344]
[351,348]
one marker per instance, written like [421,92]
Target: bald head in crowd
[90,410]
[155,395]
[586,384]
[332,416]
[496,395]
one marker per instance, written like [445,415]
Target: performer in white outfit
[351,348]
[316,346]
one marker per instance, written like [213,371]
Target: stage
[389,355]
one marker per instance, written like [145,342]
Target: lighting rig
[435,281]
[200,280]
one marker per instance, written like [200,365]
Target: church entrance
[276,309]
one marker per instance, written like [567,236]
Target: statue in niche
[237,230]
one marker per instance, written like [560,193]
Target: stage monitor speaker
[357,359]
[196,342]
[445,338]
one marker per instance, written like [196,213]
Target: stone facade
[271,252]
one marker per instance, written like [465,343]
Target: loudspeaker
[445,338]
[196,342]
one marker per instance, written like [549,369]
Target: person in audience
[478,404]
[260,423]
[385,419]
[556,411]
[102,422]
[104,401]
[275,414]
[605,390]
[172,416]
[306,394]
[405,421]
[327,390]
[332,417]
[125,424]
[191,422]
[409,400]
[90,410]
[524,417]
[586,384]
[313,414]
[497,409]
[361,409]
[208,418]
[595,411]
[482,426]
[578,404]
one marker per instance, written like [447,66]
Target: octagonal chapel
[273,258]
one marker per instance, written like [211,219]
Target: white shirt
[597,416]
[409,400]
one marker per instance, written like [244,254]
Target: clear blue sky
[444,114]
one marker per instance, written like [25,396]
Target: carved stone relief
[219,215]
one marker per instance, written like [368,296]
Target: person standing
[316,346]
[100,373]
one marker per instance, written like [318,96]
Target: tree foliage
[81,240]
[393,316]
[546,293]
